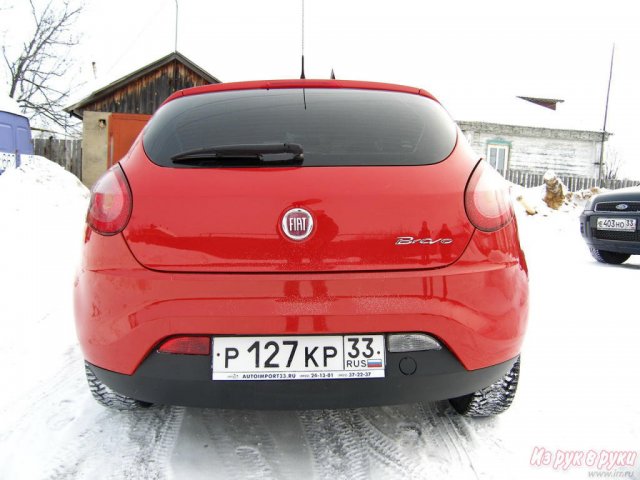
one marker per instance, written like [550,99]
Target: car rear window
[335,127]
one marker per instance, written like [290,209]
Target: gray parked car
[610,224]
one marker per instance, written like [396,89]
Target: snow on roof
[8,104]
[513,110]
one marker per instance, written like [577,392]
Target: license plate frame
[303,357]
[616,224]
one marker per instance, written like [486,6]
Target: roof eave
[76,109]
[514,125]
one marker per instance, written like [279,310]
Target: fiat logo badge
[622,206]
[297,224]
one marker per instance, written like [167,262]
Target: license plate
[330,357]
[617,224]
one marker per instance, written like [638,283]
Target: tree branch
[37,72]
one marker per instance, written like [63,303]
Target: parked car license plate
[330,357]
[619,224]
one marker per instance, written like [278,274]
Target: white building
[535,135]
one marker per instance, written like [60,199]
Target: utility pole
[175,46]
[604,127]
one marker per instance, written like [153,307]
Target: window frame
[499,146]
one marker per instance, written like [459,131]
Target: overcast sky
[474,56]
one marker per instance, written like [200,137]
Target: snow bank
[42,207]
[40,179]
[42,210]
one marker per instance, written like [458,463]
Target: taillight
[187,345]
[110,206]
[487,200]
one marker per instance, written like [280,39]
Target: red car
[302,244]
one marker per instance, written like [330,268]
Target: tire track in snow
[152,436]
[79,438]
[132,445]
[435,442]
[456,436]
[387,442]
[336,444]
[480,445]
[438,417]
[253,460]
[456,439]
[385,450]
[242,443]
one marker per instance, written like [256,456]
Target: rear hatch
[377,177]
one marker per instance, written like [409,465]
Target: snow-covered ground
[579,388]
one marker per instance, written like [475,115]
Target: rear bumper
[186,380]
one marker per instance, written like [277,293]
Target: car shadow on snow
[630,266]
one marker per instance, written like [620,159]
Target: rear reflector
[411,342]
[187,346]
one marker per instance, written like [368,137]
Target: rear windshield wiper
[241,154]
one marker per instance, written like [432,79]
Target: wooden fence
[68,154]
[65,152]
[527,179]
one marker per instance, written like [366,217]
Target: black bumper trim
[186,380]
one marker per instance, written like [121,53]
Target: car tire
[108,398]
[613,258]
[491,400]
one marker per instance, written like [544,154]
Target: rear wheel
[107,397]
[613,258]
[491,400]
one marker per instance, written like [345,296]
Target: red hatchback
[302,244]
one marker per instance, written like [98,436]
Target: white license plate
[330,357]
[617,224]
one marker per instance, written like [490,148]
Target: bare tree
[611,166]
[38,73]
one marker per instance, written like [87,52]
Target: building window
[498,157]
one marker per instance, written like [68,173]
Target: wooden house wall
[536,150]
[145,94]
